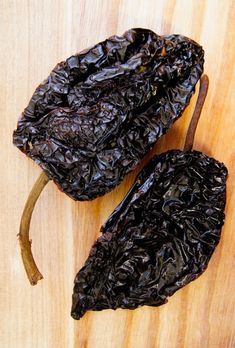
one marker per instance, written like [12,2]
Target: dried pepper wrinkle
[92,120]
[159,238]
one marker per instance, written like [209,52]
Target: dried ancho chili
[96,115]
[161,236]
[92,120]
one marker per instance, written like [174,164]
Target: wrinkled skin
[159,238]
[93,119]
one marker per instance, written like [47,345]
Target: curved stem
[25,243]
[204,84]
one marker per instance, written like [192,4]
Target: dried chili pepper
[92,120]
[160,237]
[100,111]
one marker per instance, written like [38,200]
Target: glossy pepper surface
[96,115]
[159,238]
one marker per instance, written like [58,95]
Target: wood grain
[35,35]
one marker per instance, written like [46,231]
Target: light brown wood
[35,35]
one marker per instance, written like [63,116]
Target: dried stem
[25,243]
[204,84]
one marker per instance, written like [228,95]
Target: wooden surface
[35,35]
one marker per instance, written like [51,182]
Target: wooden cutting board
[35,35]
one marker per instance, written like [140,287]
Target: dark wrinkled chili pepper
[93,119]
[160,237]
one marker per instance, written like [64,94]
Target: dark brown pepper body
[99,112]
[159,238]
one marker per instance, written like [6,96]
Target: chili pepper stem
[204,84]
[25,243]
